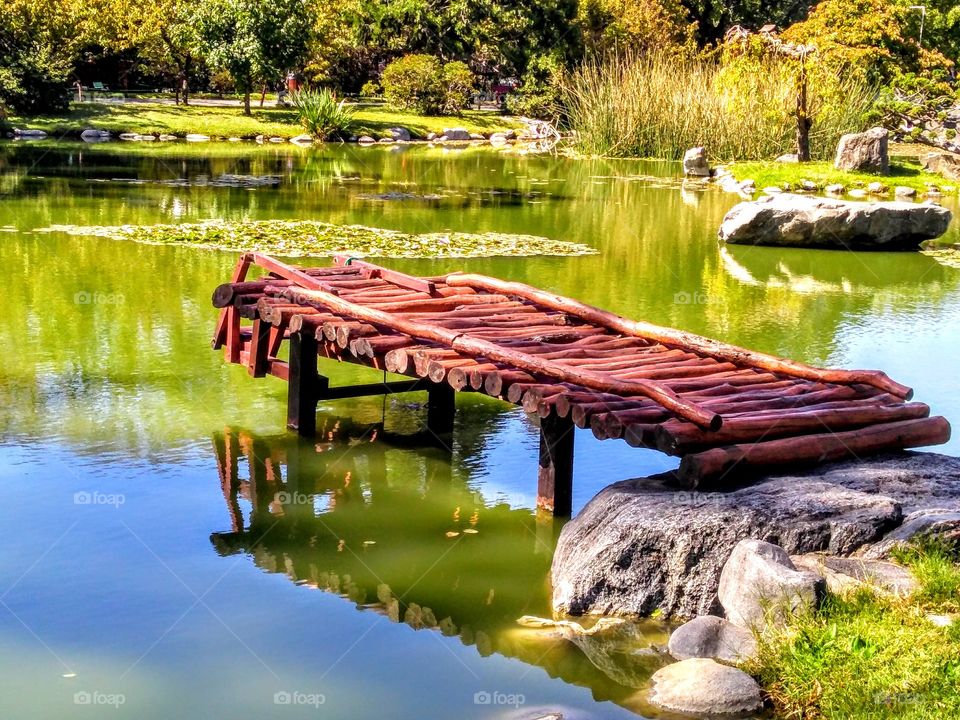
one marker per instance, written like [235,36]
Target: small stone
[457,134]
[399,134]
[772,190]
[431,136]
[277,139]
[857,193]
[128,136]
[477,136]
[808,185]
[365,140]
[385,141]
[709,636]
[92,134]
[695,162]
[303,139]
[834,189]
[877,188]
[788,158]
[904,192]
[166,137]
[704,687]
[844,574]
[197,137]
[760,582]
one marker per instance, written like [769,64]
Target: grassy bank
[903,171]
[865,656]
[158,118]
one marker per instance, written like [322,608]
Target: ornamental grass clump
[659,105]
[322,115]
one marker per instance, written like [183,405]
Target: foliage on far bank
[742,107]
[320,239]
[866,656]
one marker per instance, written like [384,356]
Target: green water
[168,544]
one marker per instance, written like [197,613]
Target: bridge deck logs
[725,411]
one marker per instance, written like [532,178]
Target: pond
[172,552]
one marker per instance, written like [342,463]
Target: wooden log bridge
[725,411]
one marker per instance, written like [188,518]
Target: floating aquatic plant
[309,237]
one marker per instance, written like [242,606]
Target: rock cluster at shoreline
[745,559]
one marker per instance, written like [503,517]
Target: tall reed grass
[659,105]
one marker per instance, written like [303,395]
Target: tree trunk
[186,79]
[246,101]
[263,94]
[803,117]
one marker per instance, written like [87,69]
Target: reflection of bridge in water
[390,524]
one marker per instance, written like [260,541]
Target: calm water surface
[171,552]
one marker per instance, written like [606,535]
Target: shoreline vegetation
[144,118]
[869,654]
[904,172]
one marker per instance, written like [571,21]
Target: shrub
[414,82]
[539,93]
[457,87]
[370,89]
[423,84]
[321,115]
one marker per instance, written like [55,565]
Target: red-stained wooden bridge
[726,411]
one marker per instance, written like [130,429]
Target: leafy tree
[539,93]
[254,41]
[874,37]
[635,25]
[161,32]
[714,17]
[38,45]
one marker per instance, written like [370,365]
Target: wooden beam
[441,408]
[555,476]
[305,384]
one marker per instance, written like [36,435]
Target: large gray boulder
[641,544]
[695,162]
[709,636]
[804,221]
[760,584]
[705,688]
[866,151]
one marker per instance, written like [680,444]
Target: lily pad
[314,238]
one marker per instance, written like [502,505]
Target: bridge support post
[555,476]
[305,384]
[441,408]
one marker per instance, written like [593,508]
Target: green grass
[158,118]
[908,173]
[865,656]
